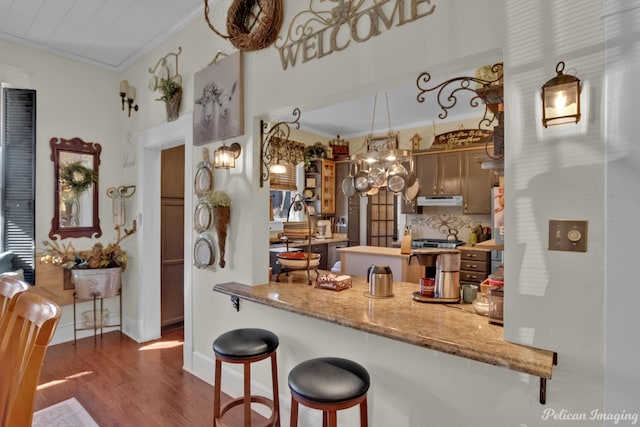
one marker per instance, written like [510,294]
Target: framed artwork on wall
[218,101]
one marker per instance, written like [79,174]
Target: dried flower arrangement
[221,203]
[99,256]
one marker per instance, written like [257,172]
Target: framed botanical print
[218,101]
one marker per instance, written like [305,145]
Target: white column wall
[622,204]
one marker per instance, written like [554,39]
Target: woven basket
[173,106]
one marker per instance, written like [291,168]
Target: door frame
[150,143]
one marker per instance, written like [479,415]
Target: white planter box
[99,282]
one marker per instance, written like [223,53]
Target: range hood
[439,201]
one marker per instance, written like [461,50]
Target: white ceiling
[356,117]
[114,34]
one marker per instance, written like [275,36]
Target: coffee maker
[324,229]
[442,265]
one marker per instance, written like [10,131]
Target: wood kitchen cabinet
[440,174]
[320,186]
[477,183]
[322,250]
[451,173]
[474,266]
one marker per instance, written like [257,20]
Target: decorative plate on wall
[203,252]
[203,182]
[202,217]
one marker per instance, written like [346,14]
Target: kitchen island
[448,328]
[355,260]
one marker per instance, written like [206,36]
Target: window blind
[284,181]
[19,177]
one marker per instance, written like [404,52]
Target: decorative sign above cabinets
[461,138]
[330,30]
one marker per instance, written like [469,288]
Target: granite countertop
[449,328]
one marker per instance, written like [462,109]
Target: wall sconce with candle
[225,157]
[128,94]
[561,99]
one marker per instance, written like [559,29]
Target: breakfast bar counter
[449,328]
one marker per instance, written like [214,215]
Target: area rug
[68,413]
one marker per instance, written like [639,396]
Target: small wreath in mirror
[77,177]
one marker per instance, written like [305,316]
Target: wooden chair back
[29,329]
[10,288]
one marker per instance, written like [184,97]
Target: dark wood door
[172,236]
[381,215]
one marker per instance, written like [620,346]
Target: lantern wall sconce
[561,99]
[225,157]
[128,95]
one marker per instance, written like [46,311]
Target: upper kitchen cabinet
[453,173]
[320,186]
[476,191]
[439,173]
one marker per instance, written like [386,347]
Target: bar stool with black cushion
[329,384]
[246,346]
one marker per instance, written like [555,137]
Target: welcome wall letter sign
[322,32]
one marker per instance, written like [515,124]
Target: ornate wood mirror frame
[75,209]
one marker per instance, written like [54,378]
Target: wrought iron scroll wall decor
[280,130]
[489,91]
[162,71]
[251,24]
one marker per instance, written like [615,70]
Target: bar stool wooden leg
[247,395]
[274,382]
[216,391]
[364,421]
[294,412]
[333,419]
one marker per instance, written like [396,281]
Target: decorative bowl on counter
[481,306]
[298,260]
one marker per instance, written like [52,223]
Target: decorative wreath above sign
[251,24]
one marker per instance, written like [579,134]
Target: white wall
[622,373]
[554,300]
[73,100]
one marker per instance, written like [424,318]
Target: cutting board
[405,244]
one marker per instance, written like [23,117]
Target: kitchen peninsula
[447,328]
[355,260]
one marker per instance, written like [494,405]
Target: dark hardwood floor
[124,383]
